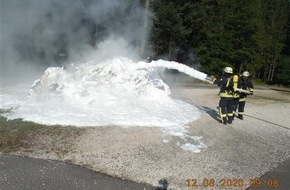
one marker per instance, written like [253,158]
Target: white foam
[174,65]
[114,92]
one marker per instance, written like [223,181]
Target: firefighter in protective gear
[226,95]
[244,83]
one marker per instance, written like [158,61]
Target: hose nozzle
[208,79]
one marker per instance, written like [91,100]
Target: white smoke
[36,34]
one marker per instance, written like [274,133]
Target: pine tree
[169,30]
[247,35]
[214,46]
[275,18]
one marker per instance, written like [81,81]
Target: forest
[251,35]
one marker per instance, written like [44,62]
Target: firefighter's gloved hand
[251,93]
[212,77]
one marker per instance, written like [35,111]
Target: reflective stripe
[228,82]
[226,95]
[236,95]
[230,114]
[221,115]
[241,113]
[242,99]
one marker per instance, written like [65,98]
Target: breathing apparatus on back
[235,81]
[235,85]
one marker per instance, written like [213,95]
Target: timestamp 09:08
[232,183]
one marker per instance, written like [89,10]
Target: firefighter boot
[240,116]
[230,120]
[224,121]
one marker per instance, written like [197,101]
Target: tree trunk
[259,74]
[269,73]
[265,75]
[272,74]
[240,68]
[170,50]
[145,28]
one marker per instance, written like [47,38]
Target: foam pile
[114,92]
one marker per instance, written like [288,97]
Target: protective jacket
[245,84]
[226,87]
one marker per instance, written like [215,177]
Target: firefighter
[226,95]
[244,83]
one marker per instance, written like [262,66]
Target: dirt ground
[243,150]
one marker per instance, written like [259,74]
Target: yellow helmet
[228,70]
[246,74]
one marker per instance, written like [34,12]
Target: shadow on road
[211,112]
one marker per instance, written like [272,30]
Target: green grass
[18,135]
[257,97]
[258,82]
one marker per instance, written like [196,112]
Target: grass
[277,99]
[19,135]
[259,82]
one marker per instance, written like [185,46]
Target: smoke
[36,34]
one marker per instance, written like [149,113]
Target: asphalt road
[276,179]
[23,173]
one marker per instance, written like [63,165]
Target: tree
[283,72]
[247,35]
[275,18]
[214,46]
[169,30]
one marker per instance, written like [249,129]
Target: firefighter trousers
[226,105]
[235,105]
[241,107]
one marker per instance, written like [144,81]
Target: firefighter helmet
[246,74]
[228,70]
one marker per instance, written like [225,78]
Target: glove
[212,77]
